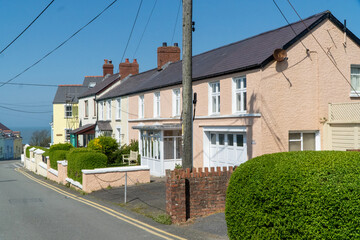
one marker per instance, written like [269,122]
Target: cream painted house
[105,117]
[65,112]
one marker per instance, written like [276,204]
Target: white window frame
[217,98]
[239,91]
[118,108]
[357,85]
[141,106]
[108,110]
[101,110]
[176,102]
[118,135]
[67,134]
[86,103]
[156,104]
[94,108]
[317,139]
[65,110]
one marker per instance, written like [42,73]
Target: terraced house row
[10,143]
[294,88]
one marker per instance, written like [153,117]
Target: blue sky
[217,23]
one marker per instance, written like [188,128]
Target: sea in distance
[26,132]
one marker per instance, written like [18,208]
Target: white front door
[227,149]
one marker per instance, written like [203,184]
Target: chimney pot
[167,54]
[176,44]
[108,68]
[134,60]
[127,60]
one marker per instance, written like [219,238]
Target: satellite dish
[280,55]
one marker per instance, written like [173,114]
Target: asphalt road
[29,210]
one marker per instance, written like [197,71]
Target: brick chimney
[126,68]
[108,67]
[167,54]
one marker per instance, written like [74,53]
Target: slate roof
[3,127]
[83,128]
[101,86]
[68,93]
[89,79]
[104,125]
[251,53]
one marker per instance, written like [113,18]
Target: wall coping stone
[43,165]
[75,183]
[63,162]
[115,169]
[39,151]
[32,149]
[53,171]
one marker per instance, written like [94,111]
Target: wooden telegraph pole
[187,121]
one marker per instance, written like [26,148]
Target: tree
[40,138]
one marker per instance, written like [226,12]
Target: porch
[160,147]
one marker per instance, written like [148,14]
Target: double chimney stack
[165,54]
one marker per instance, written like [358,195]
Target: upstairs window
[141,106]
[176,102]
[156,104]
[355,80]
[214,98]
[239,95]
[108,110]
[86,108]
[68,111]
[118,108]
[101,110]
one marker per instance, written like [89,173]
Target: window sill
[354,95]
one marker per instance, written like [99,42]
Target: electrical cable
[147,23]
[177,17]
[324,50]
[16,110]
[289,24]
[132,29]
[27,27]
[73,35]
[32,84]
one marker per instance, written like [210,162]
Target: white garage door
[227,149]
[345,136]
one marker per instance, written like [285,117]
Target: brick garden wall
[196,194]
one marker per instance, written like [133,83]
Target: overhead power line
[147,23]
[132,29]
[27,27]
[322,48]
[32,84]
[23,111]
[60,45]
[177,17]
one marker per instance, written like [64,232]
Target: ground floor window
[172,144]
[150,142]
[303,141]
[67,134]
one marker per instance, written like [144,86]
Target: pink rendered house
[248,104]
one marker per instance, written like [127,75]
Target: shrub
[73,151]
[57,155]
[116,157]
[295,195]
[106,145]
[61,146]
[84,160]
[46,153]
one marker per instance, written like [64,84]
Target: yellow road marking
[102,208]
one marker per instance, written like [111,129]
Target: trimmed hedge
[61,146]
[46,153]
[295,195]
[57,155]
[78,161]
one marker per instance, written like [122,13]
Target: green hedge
[61,146]
[46,153]
[57,155]
[295,195]
[78,161]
